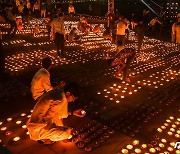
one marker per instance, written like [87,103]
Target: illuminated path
[124,113]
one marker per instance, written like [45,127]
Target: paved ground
[141,116]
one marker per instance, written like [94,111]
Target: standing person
[140,30]
[46,122]
[121,28]
[12,21]
[71,9]
[123,54]
[36,9]
[43,10]
[41,80]
[20,8]
[57,29]
[2,56]
[176,31]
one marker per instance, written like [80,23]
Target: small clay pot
[80,144]
[88,148]
[95,144]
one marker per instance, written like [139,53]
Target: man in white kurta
[46,119]
[46,122]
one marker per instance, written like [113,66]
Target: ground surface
[142,115]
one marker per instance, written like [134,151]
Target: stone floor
[140,116]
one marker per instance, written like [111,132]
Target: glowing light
[163,140]
[161,145]
[3,128]
[138,150]
[16,138]
[144,146]
[129,147]
[125,151]
[18,122]
[135,142]
[9,119]
[23,114]
[152,150]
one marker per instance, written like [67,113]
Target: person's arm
[63,29]
[46,83]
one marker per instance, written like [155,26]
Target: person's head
[61,15]
[74,29]
[120,45]
[47,63]
[72,91]
[110,62]
[21,3]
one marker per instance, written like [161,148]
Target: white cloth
[57,26]
[40,83]
[46,118]
[121,27]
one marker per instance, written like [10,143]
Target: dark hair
[119,43]
[46,62]
[109,61]
[61,14]
[74,88]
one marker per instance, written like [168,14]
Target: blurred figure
[12,21]
[58,31]
[176,31]
[36,9]
[140,31]
[71,9]
[36,30]
[2,56]
[20,8]
[133,21]
[154,24]
[121,28]
[97,29]
[122,60]
[107,34]
[71,36]
[43,10]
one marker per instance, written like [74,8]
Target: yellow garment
[176,33]
[40,83]
[121,27]
[20,8]
[71,9]
[47,116]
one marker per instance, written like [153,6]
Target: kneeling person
[46,122]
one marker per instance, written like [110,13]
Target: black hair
[61,14]
[74,88]
[109,61]
[46,62]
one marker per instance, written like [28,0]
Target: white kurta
[40,83]
[47,116]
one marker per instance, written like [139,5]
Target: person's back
[40,83]
[121,27]
[58,25]
[48,106]
[124,53]
[20,8]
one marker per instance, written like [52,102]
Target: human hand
[79,113]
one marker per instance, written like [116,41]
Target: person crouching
[122,60]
